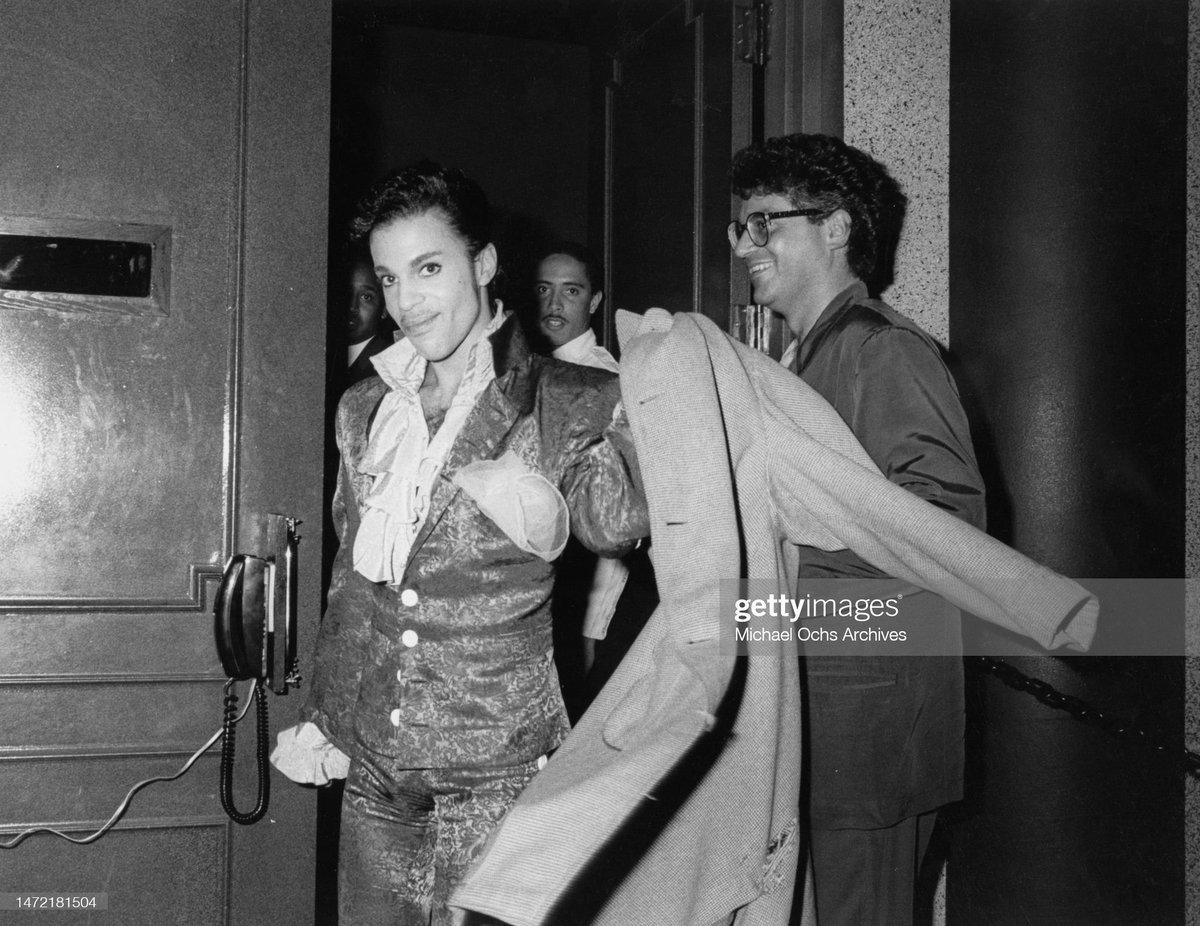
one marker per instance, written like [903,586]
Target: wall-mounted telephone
[255,630]
[255,624]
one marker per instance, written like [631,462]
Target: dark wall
[1067,211]
[512,112]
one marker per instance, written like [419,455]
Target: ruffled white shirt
[402,458]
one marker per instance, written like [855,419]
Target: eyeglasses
[758,224]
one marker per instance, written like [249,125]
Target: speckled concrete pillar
[897,107]
[897,83]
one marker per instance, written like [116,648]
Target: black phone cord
[227,753]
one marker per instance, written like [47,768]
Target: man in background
[885,733]
[590,591]
[367,329]
[569,289]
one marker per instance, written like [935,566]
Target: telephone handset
[255,630]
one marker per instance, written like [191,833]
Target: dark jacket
[362,368]
[886,733]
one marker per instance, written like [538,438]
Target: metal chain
[1084,712]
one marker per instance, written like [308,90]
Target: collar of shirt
[354,350]
[402,368]
[797,354]
[578,346]
[403,460]
[584,351]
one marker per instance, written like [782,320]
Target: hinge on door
[753,32]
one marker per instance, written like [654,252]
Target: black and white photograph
[599,463]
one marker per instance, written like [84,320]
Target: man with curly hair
[816,230]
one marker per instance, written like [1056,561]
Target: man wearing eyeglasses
[816,230]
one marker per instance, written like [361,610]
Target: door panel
[58,795]
[117,419]
[671,138]
[90,713]
[185,861]
[139,449]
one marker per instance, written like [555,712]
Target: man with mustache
[462,466]
[569,289]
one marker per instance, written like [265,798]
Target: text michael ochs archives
[779,619]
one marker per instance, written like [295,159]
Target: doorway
[607,122]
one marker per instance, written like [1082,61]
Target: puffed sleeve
[601,482]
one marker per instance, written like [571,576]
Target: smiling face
[796,272]
[366,305]
[565,298]
[432,286]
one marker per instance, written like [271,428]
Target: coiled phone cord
[124,805]
[263,752]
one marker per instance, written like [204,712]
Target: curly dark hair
[573,249]
[421,188]
[823,172]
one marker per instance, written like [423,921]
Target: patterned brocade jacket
[453,666]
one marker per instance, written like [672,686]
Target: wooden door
[143,438]
[677,105]
[691,83]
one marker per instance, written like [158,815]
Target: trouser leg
[868,877]
[385,860]
[408,837]
[470,802]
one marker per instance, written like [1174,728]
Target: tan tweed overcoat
[674,801]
